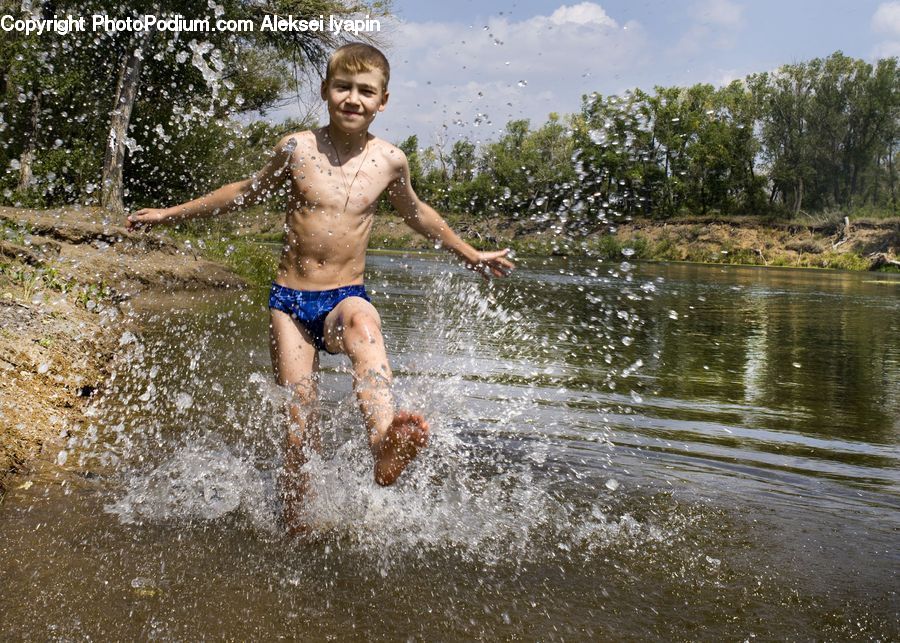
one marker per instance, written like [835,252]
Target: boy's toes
[414,427]
[407,434]
[419,434]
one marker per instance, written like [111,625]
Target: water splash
[489,486]
[204,480]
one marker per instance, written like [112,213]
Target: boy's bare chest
[355,186]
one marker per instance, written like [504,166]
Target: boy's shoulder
[300,137]
[394,156]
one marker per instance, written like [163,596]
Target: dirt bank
[66,279]
[864,245]
[857,245]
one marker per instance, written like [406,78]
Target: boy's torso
[331,210]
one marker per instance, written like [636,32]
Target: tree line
[810,137]
[151,118]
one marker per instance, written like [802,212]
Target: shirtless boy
[318,302]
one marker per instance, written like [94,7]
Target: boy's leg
[354,328]
[295,361]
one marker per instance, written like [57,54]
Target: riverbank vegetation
[119,118]
[812,145]
[812,138]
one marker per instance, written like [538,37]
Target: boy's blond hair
[357,57]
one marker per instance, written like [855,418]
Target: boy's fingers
[140,219]
[503,265]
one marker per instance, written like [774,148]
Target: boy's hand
[145,218]
[492,264]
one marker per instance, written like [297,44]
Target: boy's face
[354,99]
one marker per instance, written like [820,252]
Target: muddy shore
[67,280]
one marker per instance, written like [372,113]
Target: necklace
[349,187]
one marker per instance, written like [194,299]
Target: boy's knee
[361,322]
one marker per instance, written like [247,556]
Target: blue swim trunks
[311,307]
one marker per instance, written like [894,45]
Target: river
[619,452]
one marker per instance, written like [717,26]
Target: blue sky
[465,68]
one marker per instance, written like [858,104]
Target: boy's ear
[384,99]
[323,90]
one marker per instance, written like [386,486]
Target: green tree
[144,95]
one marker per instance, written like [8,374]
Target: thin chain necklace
[341,167]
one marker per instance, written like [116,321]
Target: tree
[145,90]
[785,132]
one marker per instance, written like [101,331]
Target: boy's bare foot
[398,446]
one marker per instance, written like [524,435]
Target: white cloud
[583,13]
[887,49]
[715,24]
[473,78]
[887,19]
[722,13]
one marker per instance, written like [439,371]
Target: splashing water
[488,486]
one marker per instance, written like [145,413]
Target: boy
[334,177]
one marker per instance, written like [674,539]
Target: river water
[619,452]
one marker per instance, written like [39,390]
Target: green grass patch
[34,279]
[841,261]
[252,260]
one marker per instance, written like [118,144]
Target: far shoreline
[823,244]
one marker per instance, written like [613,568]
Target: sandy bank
[66,279]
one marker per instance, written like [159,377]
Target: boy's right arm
[226,198]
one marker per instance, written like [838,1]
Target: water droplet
[183,401]
[522,83]
[597,136]
[61,457]
[628,252]
[612,484]
[673,314]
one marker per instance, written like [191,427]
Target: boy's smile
[354,99]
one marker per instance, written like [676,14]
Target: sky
[465,68]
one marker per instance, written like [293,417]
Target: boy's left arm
[422,218]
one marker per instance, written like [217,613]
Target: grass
[14,233]
[251,258]
[32,280]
